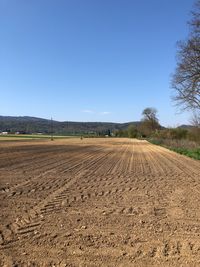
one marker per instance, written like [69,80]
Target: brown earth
[98,202]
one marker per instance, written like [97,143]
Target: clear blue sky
[90,60]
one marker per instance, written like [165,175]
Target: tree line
[149,127]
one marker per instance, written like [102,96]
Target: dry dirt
[98,202]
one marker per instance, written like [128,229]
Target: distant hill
[185,126]
[38,125]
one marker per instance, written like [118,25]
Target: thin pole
[51,129]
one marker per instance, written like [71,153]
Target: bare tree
[149,121]
[195,131]
[186,79]
[195,120]
[150,114]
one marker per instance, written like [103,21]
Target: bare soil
[98,202]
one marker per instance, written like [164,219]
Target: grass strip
[192,153]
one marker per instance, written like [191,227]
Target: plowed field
[98,202]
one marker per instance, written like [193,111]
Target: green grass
[190,152]
[31,136]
